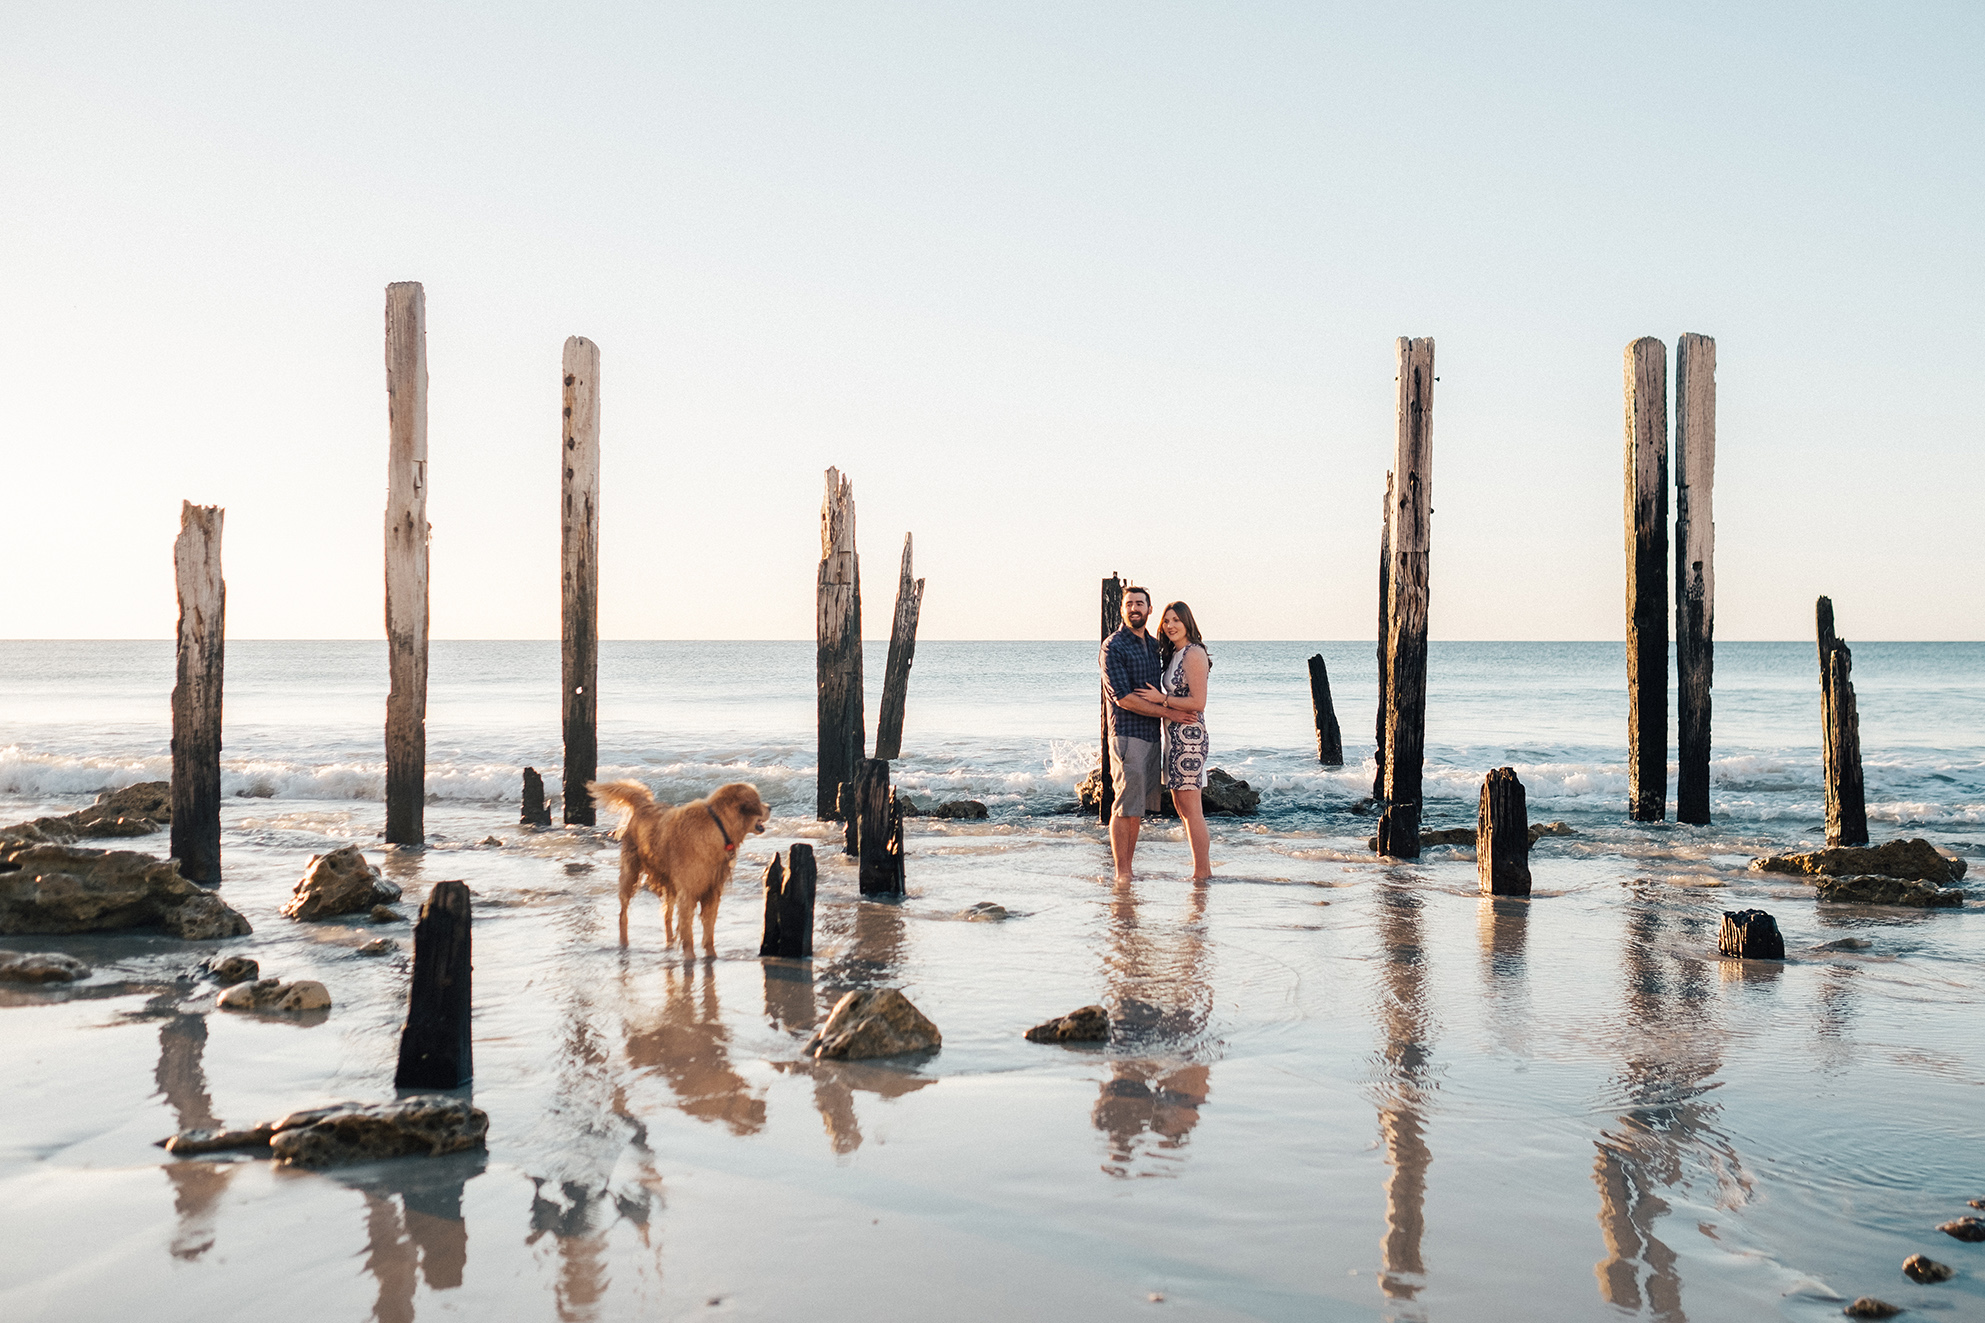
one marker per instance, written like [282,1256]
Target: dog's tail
[629,796]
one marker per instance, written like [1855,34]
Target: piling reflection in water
[794,1003]
[1672,1042]
[1160,1001]
[1503,923]
[414,1229]
[1405,1086]
[197,1187]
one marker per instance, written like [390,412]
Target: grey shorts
[1136,773]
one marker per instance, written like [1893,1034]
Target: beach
[1339,1086]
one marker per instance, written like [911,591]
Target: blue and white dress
[1187,746]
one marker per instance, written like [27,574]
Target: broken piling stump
[579,574]
[434,1046]
[196,694]
[902,654]
[1329,739]
[1502,836]
[1695,570]
[1112,617]
[789,905]
[1406,600]
[849,810]
[1750,935]
[1647,578]
[838,636]
[406,562]
[1840,737]
[534,812]
[881,830]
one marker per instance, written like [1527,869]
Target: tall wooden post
[1502,836]
[406,562]
[1840,746]
[435,1051]
[196,693]
[902,652]
[579,545]
[1112,621]
[1384,651]
[1647,578]
[1695,569]
[1406,599]
[838,632]
[1329,739]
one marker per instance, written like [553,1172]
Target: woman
[1181,700]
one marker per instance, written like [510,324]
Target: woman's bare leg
[1187,803]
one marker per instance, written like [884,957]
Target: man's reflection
[1160,1002]
[1671,1043]
[1405,1087]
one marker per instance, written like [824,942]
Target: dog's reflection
[684,1041]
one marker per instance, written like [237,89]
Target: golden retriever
[684,855]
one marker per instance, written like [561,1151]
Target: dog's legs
[667,895]
[710,903]
[683,908]
[630,881]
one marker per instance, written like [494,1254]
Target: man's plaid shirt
[1130,661]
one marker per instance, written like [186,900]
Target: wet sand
[1341,1089]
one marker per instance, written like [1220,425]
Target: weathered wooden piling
[535,812]
[579,560]
[881,831]
[1646,365]
[434,1045]
[1329,739]
[848,808]
[902,653]
[838,632]
[1840,744]
[1750,935]
[1406,600]
[1112,621]
[789,905]
[1695,569]
[196,693]
[406,562]
[1502,836]
[1384,650]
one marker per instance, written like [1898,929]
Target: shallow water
[1344,1089]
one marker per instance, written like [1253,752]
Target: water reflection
[1503,925]
[794,1003]
[197,1187]
[686,1043]
[1405,1087]
[1161,1002]
[1672,1044]
[414,1228]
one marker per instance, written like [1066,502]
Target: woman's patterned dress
[1186,744]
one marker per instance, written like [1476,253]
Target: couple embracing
[1157,696]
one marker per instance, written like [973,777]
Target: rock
[1968,1229]
[133,811]
[984,912]
[1448,836]
[379,946]
[1090,1024]
[233,969]
[492,840]
[1750,935]
[426,1125]
[1538,830]
[272,994]
[1975,1203]
[1869,1307]
[1922,1268]
[1845,944]
[40,967]
[340,882]
[1872,890]
[1089,791]
[909,808]
[50,888]
[1224,795]
[1915,859]
[1365,807]
[190,1143]
[960,808]
[874,1022]
[387,914]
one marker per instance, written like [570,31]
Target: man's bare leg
[1123,843]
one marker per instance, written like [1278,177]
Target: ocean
[1337,1087]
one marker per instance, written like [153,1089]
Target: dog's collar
[729,845]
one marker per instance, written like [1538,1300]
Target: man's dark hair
[1145,593]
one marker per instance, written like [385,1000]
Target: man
[1129,662]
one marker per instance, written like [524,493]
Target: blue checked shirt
[1130,661]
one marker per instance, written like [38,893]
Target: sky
[1066,289]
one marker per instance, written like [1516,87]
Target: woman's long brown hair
[1165,648]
